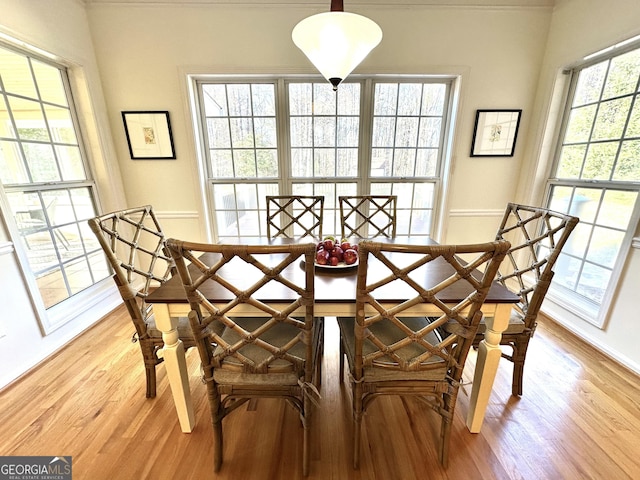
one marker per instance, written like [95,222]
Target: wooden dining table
[335,292]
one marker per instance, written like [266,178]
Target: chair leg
[151,380]
[306,435]
[341,364]
[217,414]
[357,424]
[445,434]
[445,430]
[519,354]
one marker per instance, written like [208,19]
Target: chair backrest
[295,216]
[241,271]
[368,216]
[537,236]
[134,244]
[409,343]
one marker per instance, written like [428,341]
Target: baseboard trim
[621,360]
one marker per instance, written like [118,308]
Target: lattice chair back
[250,347]
[295,216]
[391,350]
[134,244]
[537,237]
[368,216]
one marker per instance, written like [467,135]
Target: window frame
[595,314]
[286,182]
[57,315]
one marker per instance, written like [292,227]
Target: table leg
[176,366]
[489,353]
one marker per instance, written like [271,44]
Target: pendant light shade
[336,42]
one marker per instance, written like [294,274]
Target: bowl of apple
[334,254]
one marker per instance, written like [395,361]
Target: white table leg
[176,366]
[489,353]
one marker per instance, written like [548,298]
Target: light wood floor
[579,418]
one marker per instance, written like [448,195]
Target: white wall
[144,53]
[60,28]
[579,28]
[507,57]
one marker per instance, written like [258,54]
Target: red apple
[338,252]
[322,257]
[345,245]
[350,256]
[333,261]
[329,244]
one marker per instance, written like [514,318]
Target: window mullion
[284,139]
[365,144]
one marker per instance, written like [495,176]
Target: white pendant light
[336,42]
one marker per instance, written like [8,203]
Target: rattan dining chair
[368,216]
[268,354]
[295,216]
[134,244]
[391,352]
[537,236]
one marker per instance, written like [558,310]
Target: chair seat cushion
[184,329]
[281,371]
[389,334]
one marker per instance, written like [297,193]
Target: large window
[280,137]
[47,193]
[597,177]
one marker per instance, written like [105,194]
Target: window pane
[323,121]
[71,163]
[6,125]
[593,282]
[611,119]
[218,132]
[349,99]
[41,162]
[324,140]
[50,83]
[580,123]
[264,101]
[16,74]
[571,160]
[616,209]
[599,150]
[50,218]
[29,119]
[628,166]
[623,72]
[12,167]
[599,161]
[215,100]
[433,99]
[239,100]
[409,97]
[590,84]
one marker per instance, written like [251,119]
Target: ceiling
[398,3]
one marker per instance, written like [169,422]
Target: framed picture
[149,135]
[495,133]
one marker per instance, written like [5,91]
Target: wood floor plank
[579,418]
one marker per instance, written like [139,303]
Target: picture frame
[495,133]
[149,135]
